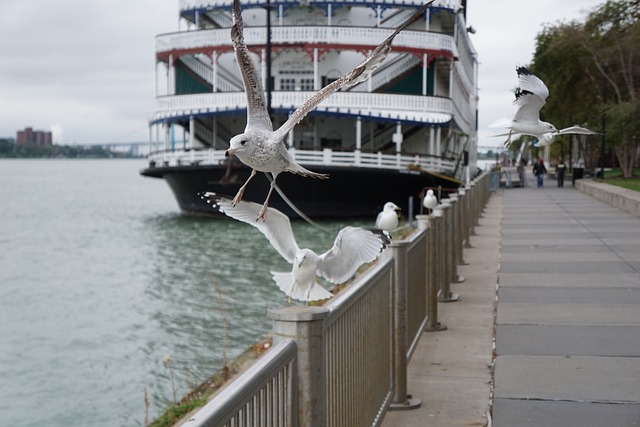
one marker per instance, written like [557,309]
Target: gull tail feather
[299,170]
[286,284]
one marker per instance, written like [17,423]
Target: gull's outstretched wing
[530,97]
[502,122]
[257,113]
[357,75]
[353,247]
[531,83]
[576,130]
[276,227]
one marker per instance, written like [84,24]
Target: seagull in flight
[387,219]
[531,96]
[352,247]
[430,201]
[549,138]
[259,146]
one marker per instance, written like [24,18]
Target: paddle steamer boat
[410,127]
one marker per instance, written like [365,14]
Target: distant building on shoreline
[37,137]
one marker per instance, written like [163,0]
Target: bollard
[468,217]
[452,235]
[473,209]
[460,227]
[400,400]
[305,325]
[444,248]
[432,324]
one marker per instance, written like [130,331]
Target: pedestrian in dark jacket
[538,171]
[560,170]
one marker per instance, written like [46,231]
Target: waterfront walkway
[556,273]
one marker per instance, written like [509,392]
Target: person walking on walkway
[538,171]
[561,167]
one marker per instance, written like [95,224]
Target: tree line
[592,70]
[9,149]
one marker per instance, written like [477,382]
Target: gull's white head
[240,145]
[390,206]
[548,127]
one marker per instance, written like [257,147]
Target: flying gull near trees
[531,96]
[352,247]
[387,219]
[549,138]
[259,146]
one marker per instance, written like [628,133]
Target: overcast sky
[85,69]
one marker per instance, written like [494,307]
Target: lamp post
[604,121]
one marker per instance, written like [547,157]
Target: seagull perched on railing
[352,247]
[259,146]
[430,201]
[531,96]
[387,219]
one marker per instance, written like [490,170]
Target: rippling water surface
[101,278]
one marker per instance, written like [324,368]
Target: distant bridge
[136,148]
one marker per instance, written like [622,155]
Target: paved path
[567,324]
[568,318]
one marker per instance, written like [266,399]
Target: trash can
[578,173]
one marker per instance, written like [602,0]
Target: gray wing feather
[257,113]
[528,110]
[352,247]
[276,228]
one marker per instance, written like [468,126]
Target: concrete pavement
[568,318]
[565,269]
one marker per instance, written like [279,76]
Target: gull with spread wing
[531,96]
[353,247]
[259,146]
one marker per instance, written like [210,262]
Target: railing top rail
[345,299]
[408,40]
[230,400]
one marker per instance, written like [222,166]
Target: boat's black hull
[349,192]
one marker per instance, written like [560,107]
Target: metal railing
[345,363]
[263,396]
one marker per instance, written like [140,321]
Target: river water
[102,279]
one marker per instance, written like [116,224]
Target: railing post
[430,222]
[400,399]
[445,252]
[468,216]
[454,235]
[460,226]
[305,325]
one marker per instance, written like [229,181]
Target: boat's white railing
[324,157]
[205,4]
[420,109]
[257,36]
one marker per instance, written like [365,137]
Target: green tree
[593,68]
